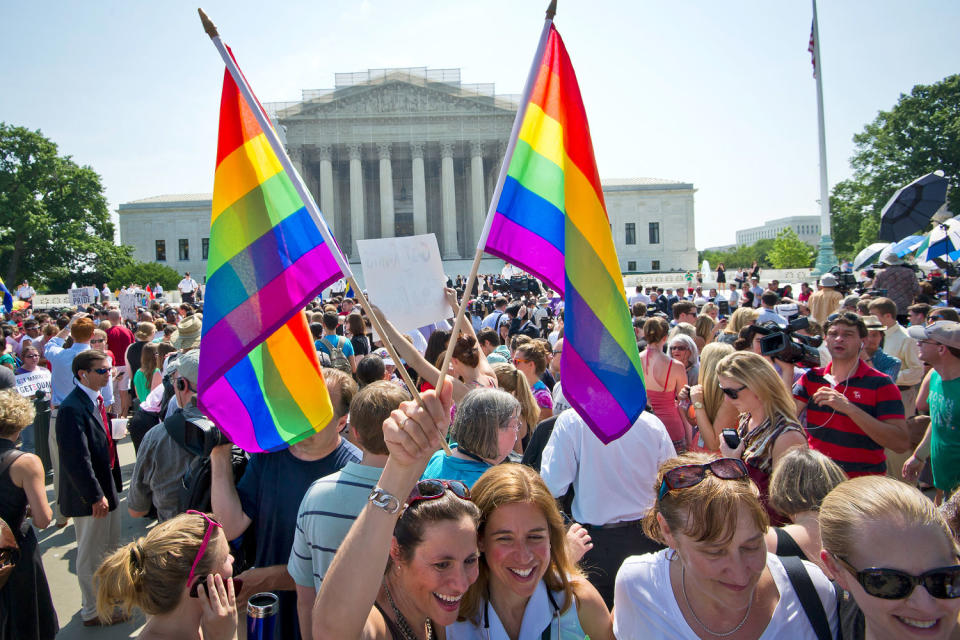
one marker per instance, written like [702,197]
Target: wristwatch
[698,405]
[380,498]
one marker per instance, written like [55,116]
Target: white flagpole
[825,256]
[271,135]
[498,189]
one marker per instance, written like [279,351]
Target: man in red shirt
[118,339]
[853,410]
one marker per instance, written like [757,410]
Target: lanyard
[546,632]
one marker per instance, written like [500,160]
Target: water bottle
[262,609]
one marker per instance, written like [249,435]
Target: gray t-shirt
[161,463]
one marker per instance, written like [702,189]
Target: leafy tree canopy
[55,225]
[742,256]
[790,252]
[145,273]
[920,134]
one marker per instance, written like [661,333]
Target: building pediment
[394,98]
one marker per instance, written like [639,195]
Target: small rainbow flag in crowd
[260,378]
[551,220]
[7,297]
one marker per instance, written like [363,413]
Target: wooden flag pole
[498,189]
[267,127]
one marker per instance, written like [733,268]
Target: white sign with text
[83,296]
[404,277]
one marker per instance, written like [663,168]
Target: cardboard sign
[52,301]
[404,277]
[83,296]
[128,306]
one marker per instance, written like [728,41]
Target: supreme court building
[395,152]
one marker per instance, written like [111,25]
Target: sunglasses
[679,348]
[890,584]
[9,557]
[211,523]
[102,370]
[433,489]
[690,475]
[97,341]
[732,393]
[519,360]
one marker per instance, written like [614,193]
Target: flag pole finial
[552,9]
[208,25]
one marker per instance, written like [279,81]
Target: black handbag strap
[807,594]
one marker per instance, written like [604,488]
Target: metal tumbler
[262,609]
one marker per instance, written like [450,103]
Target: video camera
[785,344]
[846,281]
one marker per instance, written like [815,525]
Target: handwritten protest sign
[128,306]
[404,277]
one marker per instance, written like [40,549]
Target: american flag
[812,48]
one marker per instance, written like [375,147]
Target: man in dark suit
[90,473]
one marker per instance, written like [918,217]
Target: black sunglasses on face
[891,584]
[732,393]
[102,370]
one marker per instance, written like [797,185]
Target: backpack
[337,359]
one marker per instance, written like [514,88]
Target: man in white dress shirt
[613,487]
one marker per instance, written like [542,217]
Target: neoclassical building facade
[394,152]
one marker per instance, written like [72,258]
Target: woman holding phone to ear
[180,575]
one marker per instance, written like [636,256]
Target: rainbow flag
[551,220]
[7,297]
[260,378]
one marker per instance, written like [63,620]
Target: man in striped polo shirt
[853,410]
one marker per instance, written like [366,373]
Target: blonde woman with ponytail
[512,380]
[156,574]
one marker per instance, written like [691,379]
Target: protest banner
[404,277]
[51,301]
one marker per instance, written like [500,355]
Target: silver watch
[380,498]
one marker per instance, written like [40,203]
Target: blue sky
[719,94]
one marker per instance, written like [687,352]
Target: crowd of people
[791,445]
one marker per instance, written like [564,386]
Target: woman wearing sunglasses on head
[180,575]
[410,556]
[890,549]
[715,579]
[768,425]
[529,586]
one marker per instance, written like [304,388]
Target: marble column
[326,188]
[387,216]
[448,203]
[356,198]
[296,157]
[419,190]
[477,197]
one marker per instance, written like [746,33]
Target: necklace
[405,629]
[683,590]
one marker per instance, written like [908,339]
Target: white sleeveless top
[538,614]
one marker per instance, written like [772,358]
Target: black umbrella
[911,207]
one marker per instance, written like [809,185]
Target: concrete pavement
[59,548]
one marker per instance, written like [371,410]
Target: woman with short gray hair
[485,429]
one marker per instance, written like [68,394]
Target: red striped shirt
[835,434]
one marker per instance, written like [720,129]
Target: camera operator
[161,461]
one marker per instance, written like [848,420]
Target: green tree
[920,134]
[790,252]
[741,256]
[144,273]
[55,224]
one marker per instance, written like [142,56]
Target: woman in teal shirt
[485,430]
